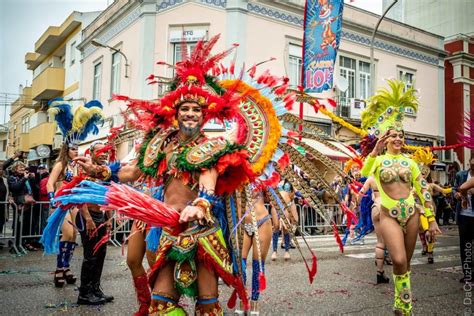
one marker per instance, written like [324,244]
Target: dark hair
[63,158]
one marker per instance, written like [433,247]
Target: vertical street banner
[322,32]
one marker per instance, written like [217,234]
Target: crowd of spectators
[22,187]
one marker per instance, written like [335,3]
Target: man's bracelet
[205,206]
[51,195]
[102,173]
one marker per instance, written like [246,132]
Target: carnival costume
[256,106]
[385,112]
[75,127]
[424,158]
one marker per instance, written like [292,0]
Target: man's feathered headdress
[196,82]
[76,126]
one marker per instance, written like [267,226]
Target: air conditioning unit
[448,155]
[357,106]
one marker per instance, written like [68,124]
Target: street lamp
[98,43]
[372,65]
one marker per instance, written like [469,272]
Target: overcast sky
[22,22]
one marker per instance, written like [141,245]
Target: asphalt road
[344,285]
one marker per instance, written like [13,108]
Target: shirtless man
[192,194]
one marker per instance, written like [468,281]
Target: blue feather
[90,127]
[94,103]
[50,237]
[153,239]
[63,117]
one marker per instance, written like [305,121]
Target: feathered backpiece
[194,82]
[386,108]
[424,158]
[76,127]
[467,138]
[355,162]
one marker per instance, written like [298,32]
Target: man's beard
[189,131]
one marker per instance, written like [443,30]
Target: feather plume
[61,112]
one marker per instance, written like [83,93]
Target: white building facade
[151,30]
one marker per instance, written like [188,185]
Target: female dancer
[424,158]
[63,171]
[259,241]
[370,187]
[395,176]
[288,194]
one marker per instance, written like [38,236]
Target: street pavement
[344,285]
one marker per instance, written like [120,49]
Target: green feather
[384,98]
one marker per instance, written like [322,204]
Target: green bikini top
[395,169]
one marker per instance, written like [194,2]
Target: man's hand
[191,213]
[108,225]
[434,230]
[90,227]
[18,154]
[86,164]
[457,195]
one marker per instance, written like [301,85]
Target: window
[408,78]
[295,64]
[73,53]
[115,78]
[357,74]
[364,80]
[178,50]
[97,81]
[25,124]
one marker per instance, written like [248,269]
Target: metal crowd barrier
[9,227]
[311,222]
[121,229]
[32,221]
[25,223]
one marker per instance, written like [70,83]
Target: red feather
[162,167]
[137,205]
[350,215]
[284,161]
[338,238]
[118,97]
[232,300]
[230,279]
[262,282]
[252,71]
[150,77]
[234,170]
[272,181]
[332,102]
[101,242]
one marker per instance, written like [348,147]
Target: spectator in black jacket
[20,187]
[7,163]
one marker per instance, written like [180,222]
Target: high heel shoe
[382,278]
[70,278]
[430,258]
[59,280]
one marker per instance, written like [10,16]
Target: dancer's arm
[466,186]
[201,207]
[421,187]
[126,173]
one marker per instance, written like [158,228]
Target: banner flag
[322,32]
